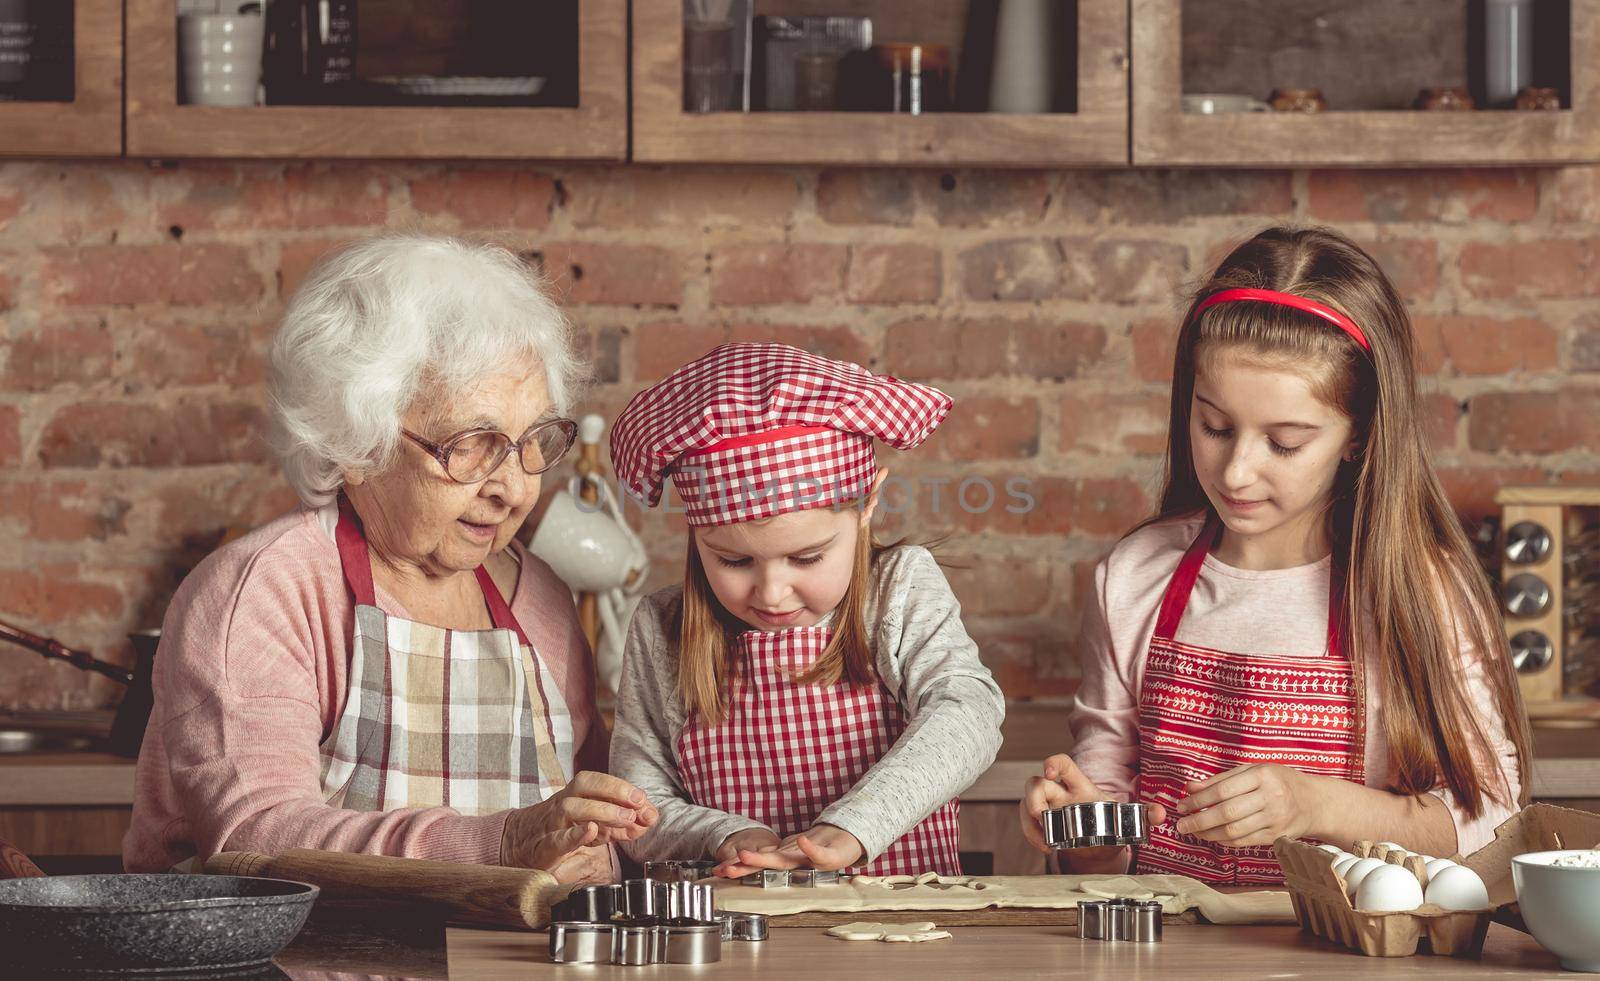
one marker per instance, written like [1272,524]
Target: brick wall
[135,304]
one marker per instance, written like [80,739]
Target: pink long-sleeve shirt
[1276,611]
[252,677]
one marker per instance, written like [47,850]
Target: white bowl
[1561,906]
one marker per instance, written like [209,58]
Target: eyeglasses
[475,454]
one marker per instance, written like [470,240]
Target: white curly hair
[380,319]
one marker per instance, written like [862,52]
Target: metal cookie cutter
[1120,919]
[644,921]
[1100,822]
[742,926]
[635,943]
[783,878]
[589,904]
[679,870]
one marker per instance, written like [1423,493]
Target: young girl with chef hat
[806,697]
[1301,642]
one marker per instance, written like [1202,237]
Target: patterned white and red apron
[469,719]
[785,751]
[1204,712]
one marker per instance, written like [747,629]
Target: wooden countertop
[1197,951]
[1567,765]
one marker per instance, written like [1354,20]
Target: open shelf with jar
[900,82]
[396,78]
[61,78]
[1368,83]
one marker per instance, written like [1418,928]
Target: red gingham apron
[1204,712]
[786,751]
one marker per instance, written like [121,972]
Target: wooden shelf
[1163,135]
[91,124]
[159,127]
[1097,134]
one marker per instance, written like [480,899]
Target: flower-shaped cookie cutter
[1096,823]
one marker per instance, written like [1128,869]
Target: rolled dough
[867,894]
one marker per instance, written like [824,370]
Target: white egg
[1332,849]
[1458,887]
[1343,864]
[1355,873]
[1391,846]
[1425,858]
[1388,889]
[1434,866]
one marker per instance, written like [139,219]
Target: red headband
[1327,313]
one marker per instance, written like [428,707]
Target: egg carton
[1324,908]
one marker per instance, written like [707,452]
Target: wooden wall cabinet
[158,126]
[91,124]
[1163,135]
[1095,135]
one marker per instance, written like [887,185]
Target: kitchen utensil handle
[466,893]
[51,648]
[15,865]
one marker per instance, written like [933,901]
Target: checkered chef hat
[754,430]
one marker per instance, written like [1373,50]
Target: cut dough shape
[859,930]
[900,933]
[927,877]
[917,932]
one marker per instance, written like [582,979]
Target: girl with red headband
[806,698]
[1300,643]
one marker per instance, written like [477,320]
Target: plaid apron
[468,719]
[785,751]
[1204,712]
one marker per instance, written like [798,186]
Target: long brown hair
[1411,572]
[706,672]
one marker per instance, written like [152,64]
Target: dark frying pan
[118,925]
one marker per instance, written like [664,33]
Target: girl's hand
[825,846]
[1250,805]
[727,853]
[1062,784]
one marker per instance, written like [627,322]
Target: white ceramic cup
[590,546]
[221,58]
[1217,103]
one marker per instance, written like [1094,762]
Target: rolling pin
[464,893]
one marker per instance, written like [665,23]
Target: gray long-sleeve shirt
[924,657]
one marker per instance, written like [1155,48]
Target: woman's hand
[826,847]
[594,809]
[1250,805]
[1062,784]
[584,866]
[750,839]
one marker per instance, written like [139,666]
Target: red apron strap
[357,565]
[499,612]
[1336,609]
[1176,599]
[353,557]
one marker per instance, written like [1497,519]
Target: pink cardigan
[252,676]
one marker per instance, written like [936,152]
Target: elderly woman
[385,669]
